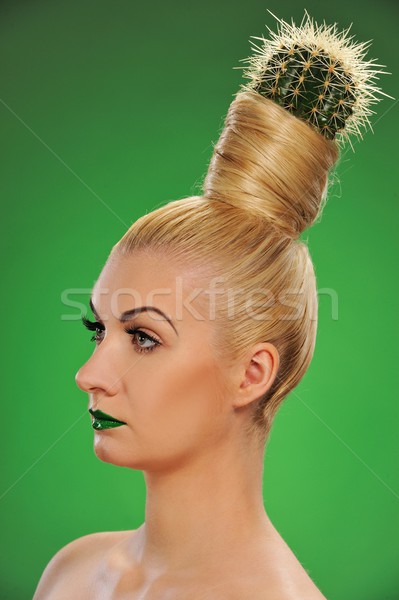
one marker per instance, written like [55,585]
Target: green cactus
[310,86]
[318,75]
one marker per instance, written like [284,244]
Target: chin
[114,452]
[127,453]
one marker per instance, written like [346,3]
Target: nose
[82,381]
[91,378]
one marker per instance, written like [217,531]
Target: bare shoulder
[66,574]
[301,591]
[283,576]
[293,582]
[276,586]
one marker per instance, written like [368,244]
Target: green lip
[104,421]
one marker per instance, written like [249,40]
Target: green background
[107,110]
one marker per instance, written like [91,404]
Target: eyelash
[94,325]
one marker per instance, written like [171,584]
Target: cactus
[318,75]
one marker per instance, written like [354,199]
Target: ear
[258,372]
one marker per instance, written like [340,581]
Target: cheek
[179,402]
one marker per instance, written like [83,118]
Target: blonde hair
[266,183]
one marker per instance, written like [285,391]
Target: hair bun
[270,163]
[310,89]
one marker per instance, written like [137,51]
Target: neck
[200,512]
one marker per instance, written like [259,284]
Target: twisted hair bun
[310,88]
[270,163]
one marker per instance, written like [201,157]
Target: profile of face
[155,371]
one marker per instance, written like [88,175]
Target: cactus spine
[318,75]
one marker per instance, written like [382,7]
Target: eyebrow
[129,314]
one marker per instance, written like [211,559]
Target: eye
[141,340]
[94,326]
[141,336]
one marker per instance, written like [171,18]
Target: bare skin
[102,566]
[206,534]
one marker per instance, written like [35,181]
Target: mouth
[103,421]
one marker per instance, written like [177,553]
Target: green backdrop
[107,110]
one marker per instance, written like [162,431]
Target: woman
[206,318]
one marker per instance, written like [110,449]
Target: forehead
[149,279]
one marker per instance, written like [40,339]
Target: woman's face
[171,392]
